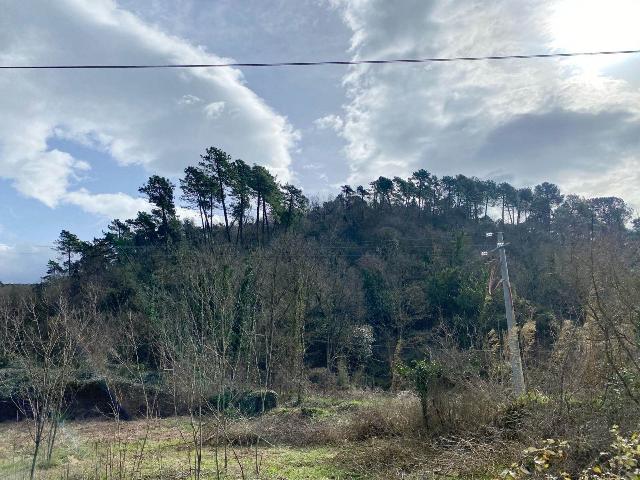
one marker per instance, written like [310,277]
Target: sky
[76,145]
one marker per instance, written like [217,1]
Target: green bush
[257,402]
[426,378]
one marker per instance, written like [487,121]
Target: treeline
[217,188]
[225,193]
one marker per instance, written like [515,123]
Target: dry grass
[358,435]
[354,435]
[343,420]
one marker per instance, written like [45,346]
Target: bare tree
[45,348]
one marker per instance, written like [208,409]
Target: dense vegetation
[382,287]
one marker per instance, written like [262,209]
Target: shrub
[550,460]
[622,462]
[426,378]
[323,378]
[258,402]
[511,415]
[547,459]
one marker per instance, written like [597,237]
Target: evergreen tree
[217,165]
[295,203]
[240,179]
[67,245]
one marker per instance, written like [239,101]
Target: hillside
[384,289]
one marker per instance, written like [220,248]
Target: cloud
[529,121]
[136,117]
[333,122]
[120,205]
[23,263]
[562,141]
[214,109]
[107,205]
[189,100]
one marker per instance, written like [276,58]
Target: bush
[548,459]
[426,378]
[258,402]
[223,401]
[511,415]
[623,461]
[323,378]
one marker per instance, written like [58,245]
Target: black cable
[319,63]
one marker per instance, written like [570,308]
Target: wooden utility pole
[515,359]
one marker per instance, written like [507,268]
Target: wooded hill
[276,291]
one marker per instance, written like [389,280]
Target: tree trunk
[224,205]
[395,361]
[258,220]
[265,220]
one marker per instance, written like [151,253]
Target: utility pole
[512,333]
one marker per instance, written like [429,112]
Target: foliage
[547,459]
[258,402]
[622,461]
[426,378]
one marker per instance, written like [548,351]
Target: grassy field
[356,436]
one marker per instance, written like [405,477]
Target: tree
[508,197]
[54,269]
[448,185]
[546,197]
[489,191]
[420,180]
[240,179]
[363,193]
[267,193]
[45,347]
[295,203]
[426,378]
[217,165]
[524,199]
[574,218]
[346,193]
[144,228]
[199,191]
[97,256]
[118,229]
[612,212]
[382,190]
[68,245]
[404,191]
[470,195]
[159,192]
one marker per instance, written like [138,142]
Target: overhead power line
[318,63]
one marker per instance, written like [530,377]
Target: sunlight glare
[594,25]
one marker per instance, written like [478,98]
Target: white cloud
[189,100]
[23,263]
[214,109]
[464,117]
[131,115]
[108,205]
[333,122]
[189,214]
